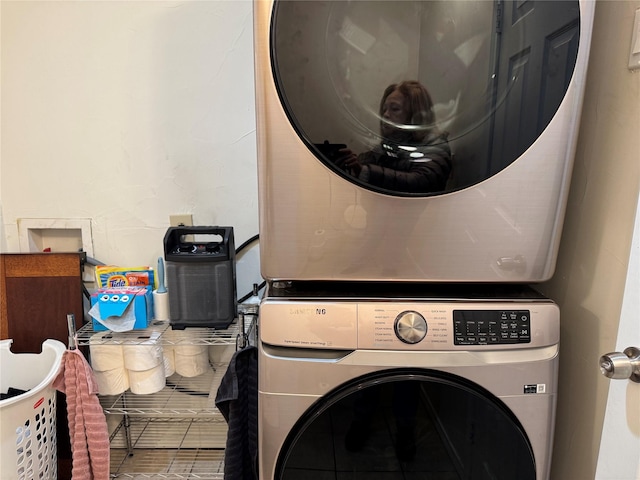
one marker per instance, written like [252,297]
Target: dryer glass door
[408,424]
[418,98]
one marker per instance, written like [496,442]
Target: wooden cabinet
[37,291]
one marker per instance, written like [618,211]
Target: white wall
[594,253]
[125,113]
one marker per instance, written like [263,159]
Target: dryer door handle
[625,365]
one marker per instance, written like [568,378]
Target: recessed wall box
[55,234]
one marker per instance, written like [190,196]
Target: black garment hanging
[237,400]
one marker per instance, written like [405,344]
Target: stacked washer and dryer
[400,336]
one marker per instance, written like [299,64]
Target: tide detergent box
[120,309]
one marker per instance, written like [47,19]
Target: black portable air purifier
[201,276]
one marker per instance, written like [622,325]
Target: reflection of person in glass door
[413,156]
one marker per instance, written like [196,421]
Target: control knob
[410,327]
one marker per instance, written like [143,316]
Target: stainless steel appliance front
[407,387]
[469,185]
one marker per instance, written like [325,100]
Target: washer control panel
[490,327]
[409,326]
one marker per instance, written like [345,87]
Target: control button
[483,327]
[410,327]
[472,328]
[458,327]
[215,248]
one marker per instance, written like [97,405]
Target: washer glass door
[407,424]
[418,98]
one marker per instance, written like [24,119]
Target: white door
[619,457]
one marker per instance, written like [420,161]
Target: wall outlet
[183,219]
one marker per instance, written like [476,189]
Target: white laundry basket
[28,421]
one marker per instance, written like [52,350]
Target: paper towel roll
[112,382]
[189,340]
[190,358]
[191,365]
[168,341]
[147,381]
[105,355]
[221,354]
[191,349]
[143,356]
[169,359]
[160,305]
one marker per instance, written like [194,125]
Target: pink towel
[87,423]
